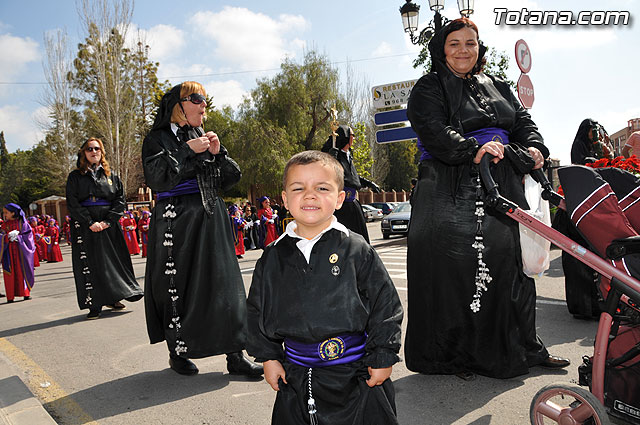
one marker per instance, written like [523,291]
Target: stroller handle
[538,175]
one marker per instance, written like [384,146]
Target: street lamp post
[410,11]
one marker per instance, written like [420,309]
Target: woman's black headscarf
[343,137]
[169,100]
[582,148]
[436,47]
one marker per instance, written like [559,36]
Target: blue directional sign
[395,135]
[390,117]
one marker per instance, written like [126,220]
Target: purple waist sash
[330,352]
[92,201]
[484,135]
[351,194]
[186,187]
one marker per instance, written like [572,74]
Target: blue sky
[578,71]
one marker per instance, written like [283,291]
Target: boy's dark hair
[310,157]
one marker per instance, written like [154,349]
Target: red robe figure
[129,229]
[143,226]
[41,246]
[52,238]
[66,229]
[33,222]
[16,250]
[237,226]
[267,221]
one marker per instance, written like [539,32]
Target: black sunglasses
[92,148]
[195,98]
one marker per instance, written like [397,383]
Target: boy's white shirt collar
[306,245]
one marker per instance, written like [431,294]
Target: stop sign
[525,91]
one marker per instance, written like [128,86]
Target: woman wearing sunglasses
[101,263]
[195,295]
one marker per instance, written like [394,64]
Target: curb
[18,405]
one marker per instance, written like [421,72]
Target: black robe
[101,262]
[211,303]
[444,335]
[350,214]
[307,302]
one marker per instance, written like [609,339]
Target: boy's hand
[272,371]
[378,376]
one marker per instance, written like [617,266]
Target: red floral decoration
[631,164]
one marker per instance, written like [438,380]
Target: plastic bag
[535,248]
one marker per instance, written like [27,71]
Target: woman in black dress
[195,295]
[350,214]
[101,263]
[455,248]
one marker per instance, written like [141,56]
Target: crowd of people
[322,314]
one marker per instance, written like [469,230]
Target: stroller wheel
[567,405]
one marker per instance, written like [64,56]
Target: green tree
[286,114]
[25,180]
[362,151]
[4,154]
[298,100]
[403,157]
[119,85]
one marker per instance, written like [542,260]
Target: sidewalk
[18,406]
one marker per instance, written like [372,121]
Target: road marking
[551,302]
[400,288]
[387,263]
[247,270]
[53,395]
[252,393]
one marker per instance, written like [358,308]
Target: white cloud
[20,127]
[224,93]
[250,40]
[15,54]
[164,41]
[383,49]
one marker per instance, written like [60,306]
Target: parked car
[371,213]
[396,223]
[386,207]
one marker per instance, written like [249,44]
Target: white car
[371,213]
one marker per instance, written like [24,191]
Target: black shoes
[555,362]
[93,314]
[116,306]
[238,364]
[27,298]
[181,365]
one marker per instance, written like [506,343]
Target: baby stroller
[608,216]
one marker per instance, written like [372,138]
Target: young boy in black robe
[323,292]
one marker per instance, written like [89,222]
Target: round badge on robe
[335,270]
[109,181]
[333,258]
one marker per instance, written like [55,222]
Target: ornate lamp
[410,12]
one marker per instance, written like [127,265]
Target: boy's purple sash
[330,352]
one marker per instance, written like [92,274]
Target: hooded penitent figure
[350,214]
[102,266]
[195,295]
[583,149]
[16,250]
[455,247]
